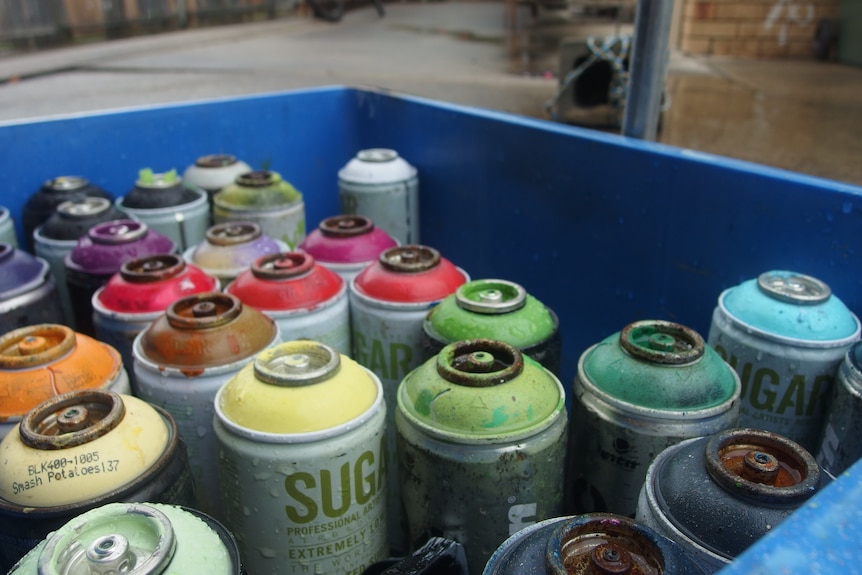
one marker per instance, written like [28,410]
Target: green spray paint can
[638,391]
[139,538]
[495,309]
[300,435]
[481,441]
[264,198]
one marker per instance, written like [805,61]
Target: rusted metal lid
[345,226]
[233,233]
[216,161]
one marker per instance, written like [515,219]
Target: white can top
[376,166]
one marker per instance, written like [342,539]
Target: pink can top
[347,239]
[152,284]
[286,281]
[410,274]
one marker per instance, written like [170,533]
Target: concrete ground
[804,116]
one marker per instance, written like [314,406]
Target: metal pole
[647,69]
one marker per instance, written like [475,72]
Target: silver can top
[491,296]
[66,183]
[84,207]
[233,233]
[300,363]
[793,288]
[377,155]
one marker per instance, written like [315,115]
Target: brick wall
[752,28]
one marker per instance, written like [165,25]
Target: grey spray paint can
[841,443]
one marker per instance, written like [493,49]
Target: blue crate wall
[609,230]
[302,135]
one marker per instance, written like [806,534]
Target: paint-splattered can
[230,248]
[80,450]
[636,392]
[301,461]
[169,206]
[481,446]
[593,544]
[347,244]
[100,254]
[264,198]
[8,235]
[28,294]
[388,302]
[841,442]
[60,233]
[145,538]
[495,309]
[717,495]
[306,300]
[38,362]
[785,334]
[42,203]
[381,185]
[439,556]
[184,357]
[138,294]
[213,172]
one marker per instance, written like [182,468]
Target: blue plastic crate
[603,229]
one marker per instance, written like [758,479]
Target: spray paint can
[592,544]
[785,334]
[144,538]
[100,254]
[495,309]
[439,556]
[347,244]
[841,442]
[306,300]
[7,228]
[38,362]
[169,206]
[301,461]
[139,293]
[388,302]
[28,294]
[715,496]
[42,203]
[636,392]
[83,449]
[213,172]
[264,198]
[184,357]
[481,445]
[230,248]
[379,184]
[59,234]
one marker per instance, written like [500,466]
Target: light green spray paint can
[495,309]
[139,538]
[262,197]
[638,391]
[481,443]
[300,435]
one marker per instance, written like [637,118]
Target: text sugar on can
[347,244]
[231,248]
[590,544]
[266,199]
[716,495]
[481,443]
[306,300]
[785,334]
[83,449]
[379,184]
[495,309]
[28,292]
[300,434]
[138,294]
[140,538]
[181,360]
[636,392]
[39,362]
[100,254]
[389,299]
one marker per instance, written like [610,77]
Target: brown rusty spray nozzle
[610,559]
